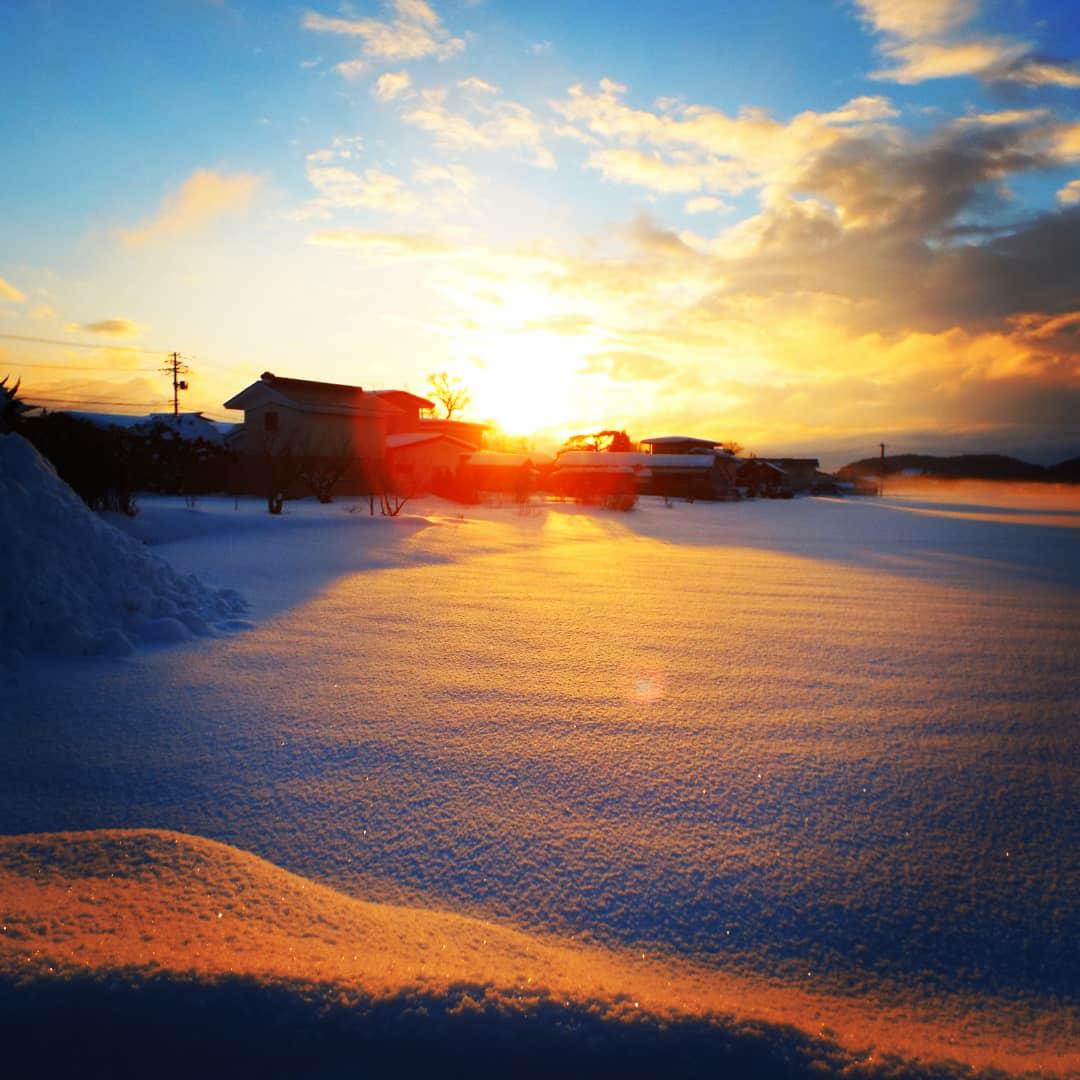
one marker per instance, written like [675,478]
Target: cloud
[10,293]
[1034,72]
[916,18]
[706,204]
[342,188]
[457,176]
[109,327]
[685,148]
[649,169]
[391,85]
[481,125]
[351,69]
[478,85]
[1069,195]
[42,311]
[918,61]
[203,198]
[924,39]
[568,324]
[384,245]
[413,31]
[627,366]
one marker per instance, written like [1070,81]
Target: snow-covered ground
[809,763]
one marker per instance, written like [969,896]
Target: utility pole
[175,366]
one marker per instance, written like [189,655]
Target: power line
[91,401]
[81,344]
[80,367]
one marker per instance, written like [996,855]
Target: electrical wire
[85,344]
[80,367]
[34,398]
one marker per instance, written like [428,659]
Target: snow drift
[128,941]
[74,585]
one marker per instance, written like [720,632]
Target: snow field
[828,745]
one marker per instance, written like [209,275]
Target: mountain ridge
[963,467]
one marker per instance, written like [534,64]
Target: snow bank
[92,919]
[72,584]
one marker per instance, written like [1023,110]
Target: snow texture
[824,750]
[75,585]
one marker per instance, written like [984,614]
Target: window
[270,420]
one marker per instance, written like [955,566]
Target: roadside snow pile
[73,584]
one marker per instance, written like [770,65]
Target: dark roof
[663,440]
[404,400]
[308,392]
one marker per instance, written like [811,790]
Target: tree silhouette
[11,408]
[447,390]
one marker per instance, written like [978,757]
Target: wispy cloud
[107,327]
[683,148]
[411,31]
[391,85]
[204,197]
[918,61]
[342,188]
[10,293]
[628,365]
[481,122]
[917,18]
[1069,195]
[385,245]
[931,39]
[352,69]
[706,204]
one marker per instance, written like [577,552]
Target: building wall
[312,433]
[424,467]
[313,437]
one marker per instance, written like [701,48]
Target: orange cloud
[412,32]
[110,327]
[9,292]
[203,198]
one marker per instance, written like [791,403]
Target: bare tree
[388,487]
[448,392]
[281,468]
[320,471]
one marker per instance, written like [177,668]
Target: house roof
[415,438]
[608,461]
[308,395]
[667,440]
[404,400]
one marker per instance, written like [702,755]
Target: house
[505,472]
[297,427]
[801,473]
[591,475]
[680,444]
[757,477]
[421,461]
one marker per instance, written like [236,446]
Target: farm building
[297,428]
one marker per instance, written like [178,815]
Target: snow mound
[191,922]
[73,584]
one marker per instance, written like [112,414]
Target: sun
[530,383]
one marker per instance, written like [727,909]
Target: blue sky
[804,226]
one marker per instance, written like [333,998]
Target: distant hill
[963,467]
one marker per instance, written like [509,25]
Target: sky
[806,227]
